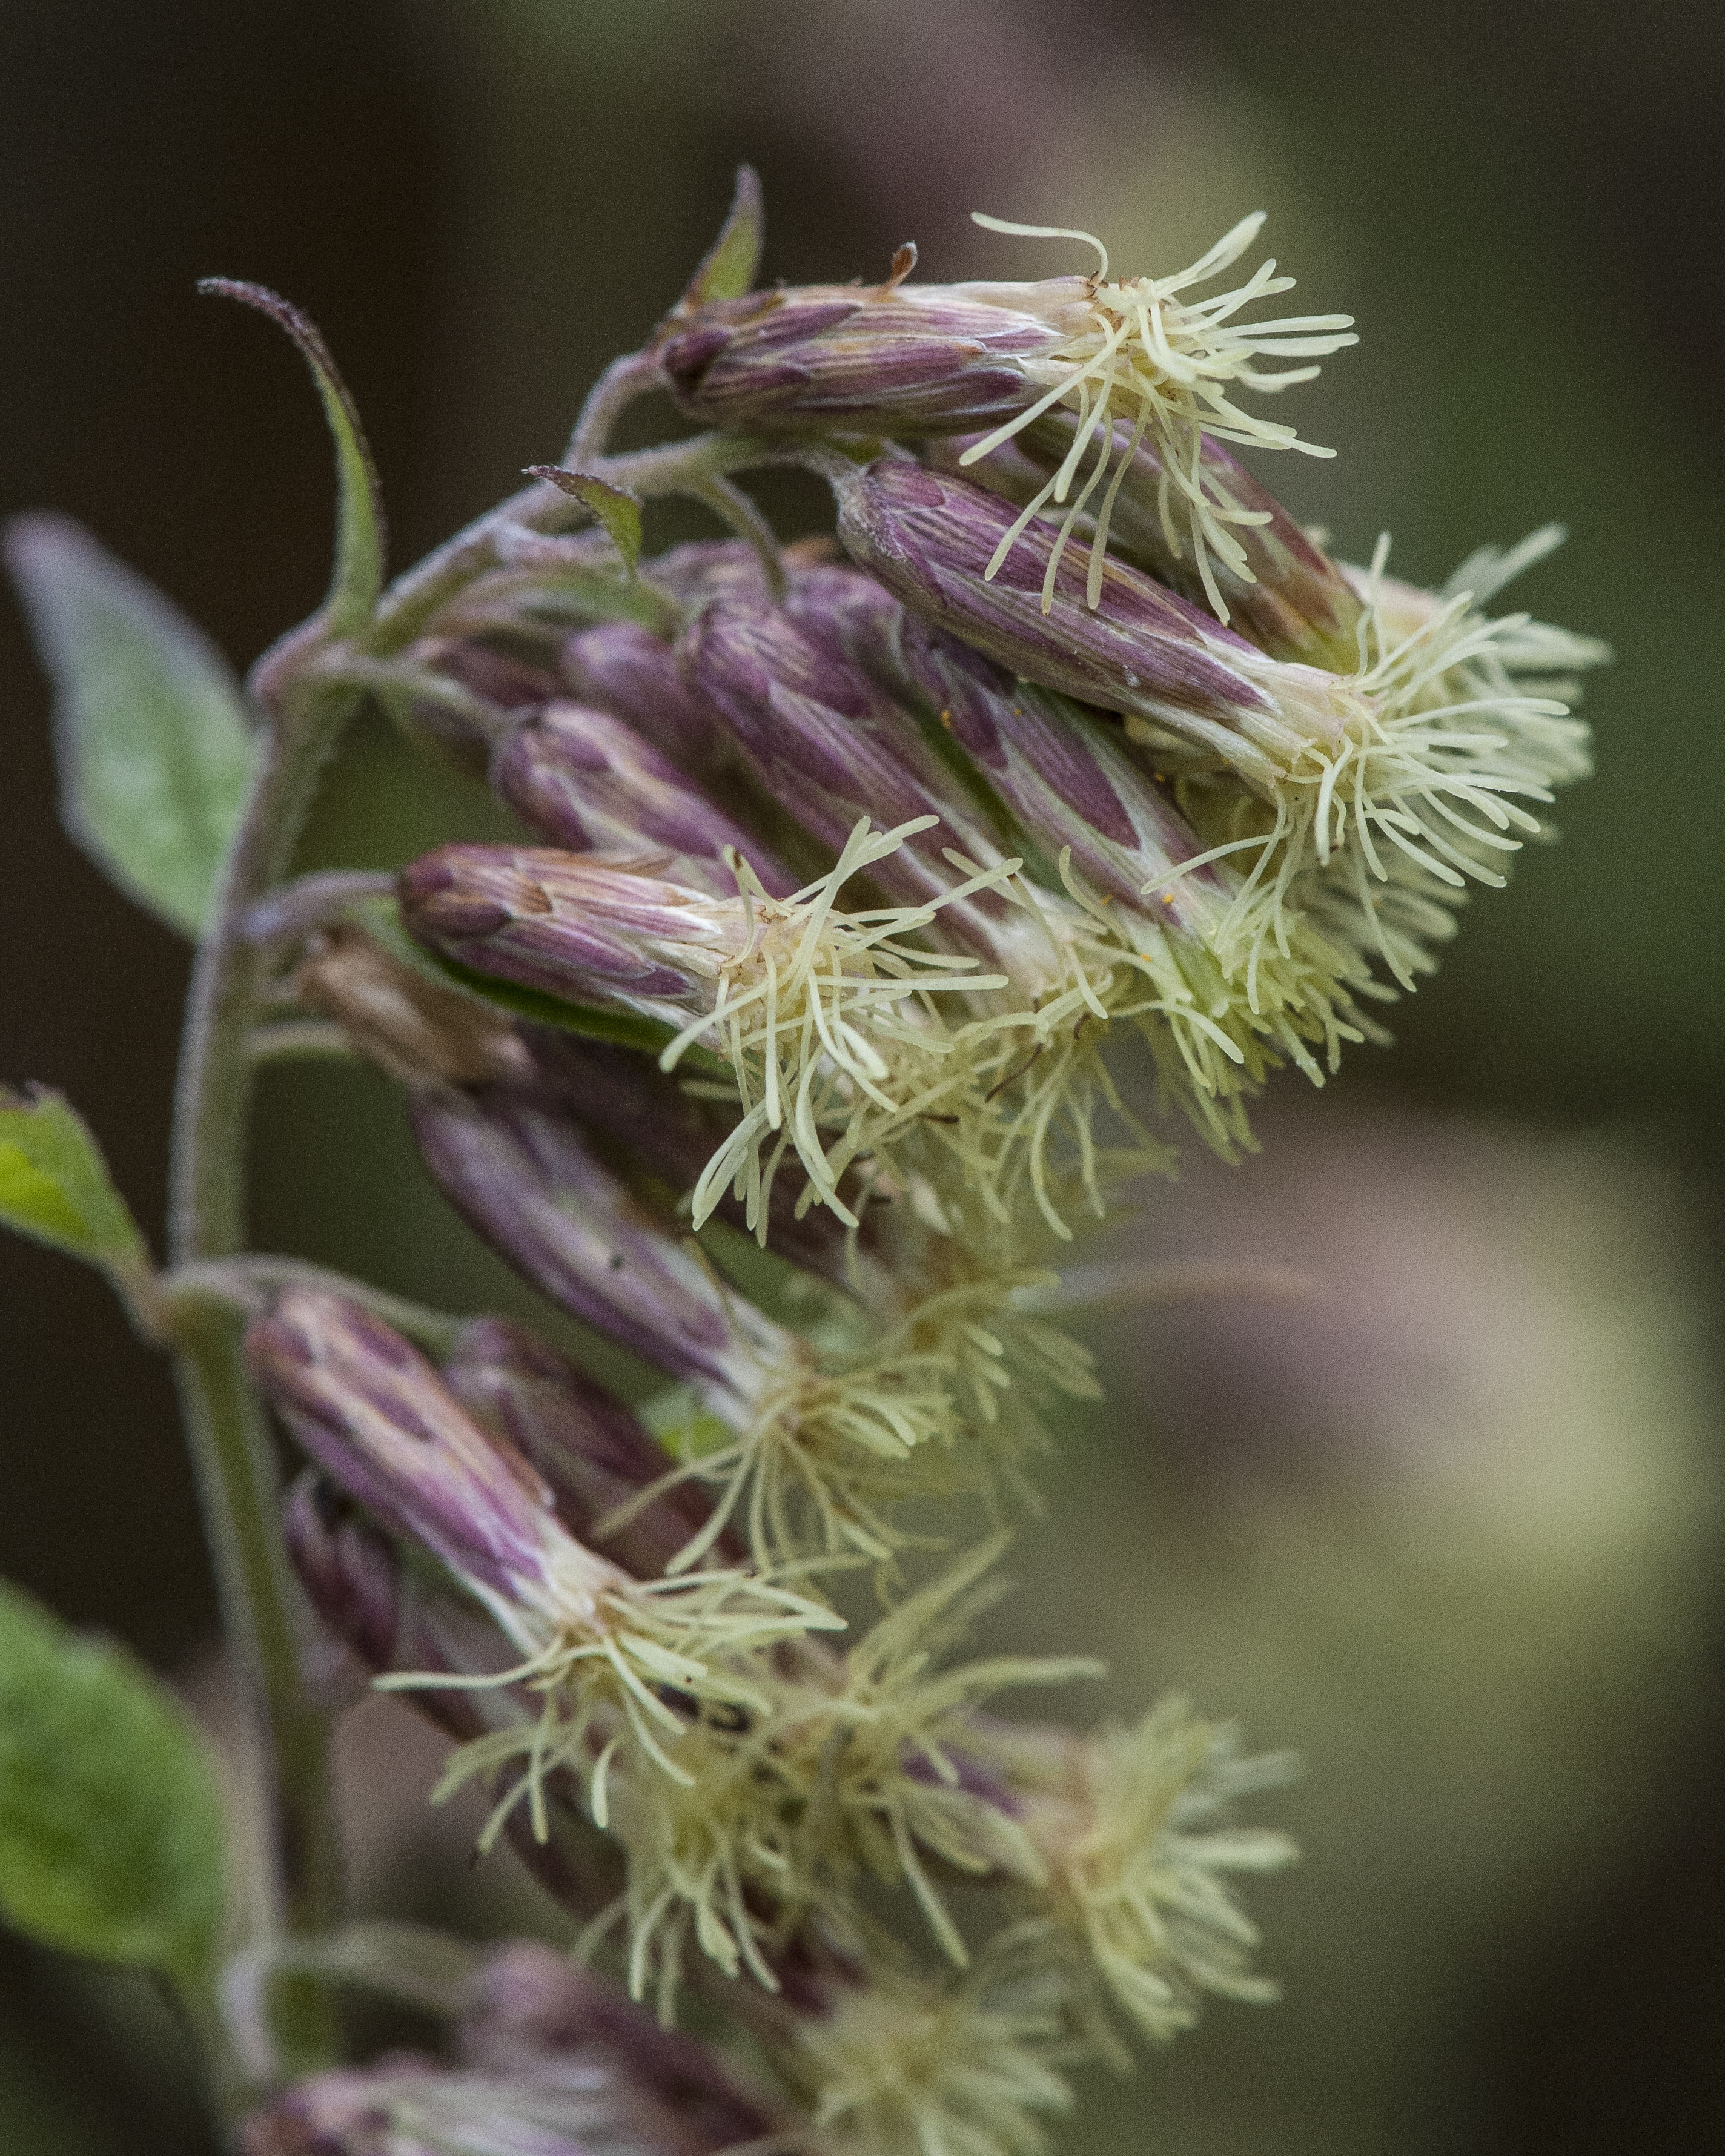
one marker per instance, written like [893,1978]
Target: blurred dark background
[1506,1667]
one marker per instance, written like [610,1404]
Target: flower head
[1169,364]
[1135,1828]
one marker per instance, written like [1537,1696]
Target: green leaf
[618,512]
[110,1822]
[150,731]
[54,1184]
[729,266]
[357,578]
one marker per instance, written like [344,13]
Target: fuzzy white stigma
[901,2067]
[602,1652]
[1419,791]
[1139,1838]
[829,1023]
[1168,365]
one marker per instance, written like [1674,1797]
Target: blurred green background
[1454,1535]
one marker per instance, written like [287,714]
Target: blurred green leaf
[729,266]
[111,1821]
[54,1183]
[149,730]
[357,577]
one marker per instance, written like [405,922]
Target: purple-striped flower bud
[929,538]
[827,1019]
[599,1646]
[409,1025]
[592,1449]
[625,669]
[590,931]
[910,360]
[492,685]
[897,359]
[528,2005]
[523,1179]
[408,2106]
[580,778]
[830,746]
[1275,584]
[373,1413]
[388,1620]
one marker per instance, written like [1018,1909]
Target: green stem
[232,1450]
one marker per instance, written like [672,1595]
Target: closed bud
[626,669]
[829,746]
[827,1019]
[523,1178]
[1280,588]
[580,778]
[408,1024]
[373,1413]
[909,360]
[929,538]
[599,1647]
[388,1618]
[591,1449]
[588,931]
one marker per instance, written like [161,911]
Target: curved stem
[616,388]
[233,1452]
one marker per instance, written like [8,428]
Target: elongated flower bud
[373,1413]
[910,360]
[521,1177]
[355,1580]
[591,931]
[830,745]
[826,1019]
[410,2107]
[1286,594]
[666,1135]
[528,2005]
[579,778]
[599,1646]
[929,538]
[625,669]
[409,1026]
[592,1451]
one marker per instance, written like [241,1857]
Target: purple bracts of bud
[373,1413]
[528,2005]
[830,746]
[626,1101]
[580,778]
[353,1579]
[590,1448]
[625,669]
[1064,774]
[588,931]
[1296,605]
[523,1179]
[913,359]
[929,538]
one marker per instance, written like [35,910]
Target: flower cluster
[840,882]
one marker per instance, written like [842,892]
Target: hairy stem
[232,1454]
